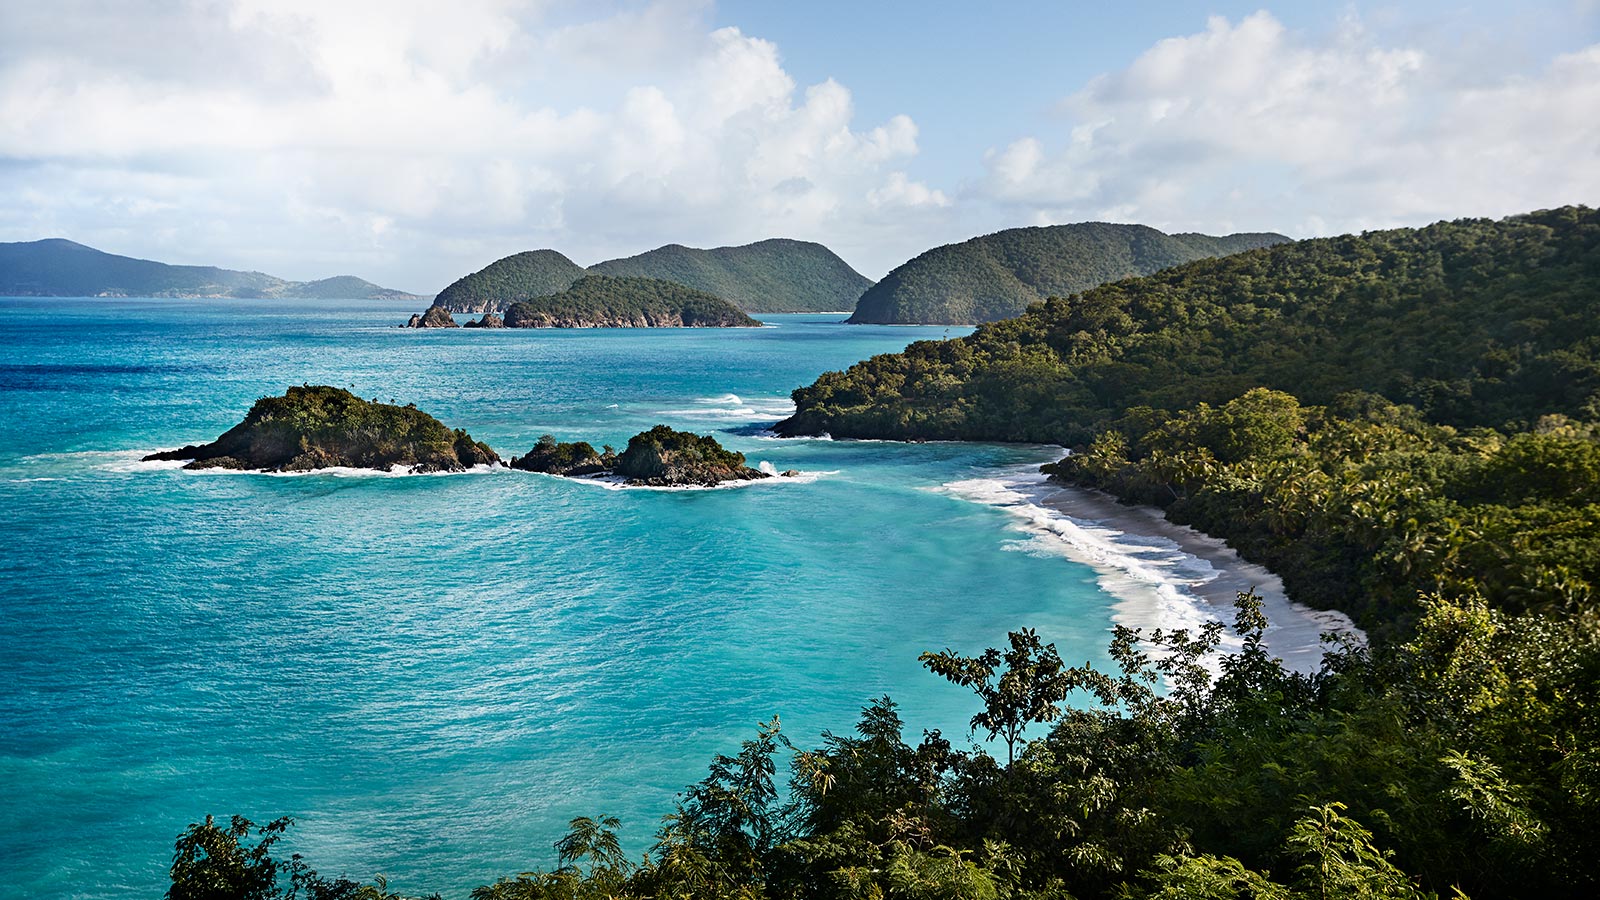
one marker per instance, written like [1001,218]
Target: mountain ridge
[58,267]
[998,275]
[1473,321]
[774,275]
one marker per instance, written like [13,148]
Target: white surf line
[1162,575]
[732,407]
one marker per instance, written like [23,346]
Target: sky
[413,142]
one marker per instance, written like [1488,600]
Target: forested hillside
[998,275]
[772,276]
[1474,322]
[522,276]
[600,301]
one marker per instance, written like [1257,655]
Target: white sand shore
[1163,575]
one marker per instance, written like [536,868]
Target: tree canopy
[998,275]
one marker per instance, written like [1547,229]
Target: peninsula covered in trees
[596,301]
[999,275]
[603,301]
[1474,322]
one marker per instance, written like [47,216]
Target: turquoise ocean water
[434,673]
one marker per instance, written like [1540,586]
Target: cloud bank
[296,135]
[1249,126]
[410,142]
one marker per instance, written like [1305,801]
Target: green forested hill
[342,287]
[775,276]
[522,276]
[60,268]
[998,275]
[1475,322]
[601,301]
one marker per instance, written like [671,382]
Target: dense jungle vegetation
[998,275]
[1403,424]
[603,300]
[772,276]
[1462,760]
[521,276]
[1474,322]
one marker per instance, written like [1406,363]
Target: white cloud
[409,141]
[900,191]
[1249,125]
[413,141]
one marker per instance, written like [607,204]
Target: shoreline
[1160,574]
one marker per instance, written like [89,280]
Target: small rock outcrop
[660,457]
[487,320]
[574,459]
[433,317]
[317,427]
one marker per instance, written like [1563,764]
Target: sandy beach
[1163,575]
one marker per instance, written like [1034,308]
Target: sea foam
[1161,575]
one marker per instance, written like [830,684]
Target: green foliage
[535,273]
[678,456]
[601,300]
[1366,512]
[317,426]
[1029,690]
[215,862]
[999,275]
[560,458]
[1457,761]
[774,276]
[1474,322]
[591,840]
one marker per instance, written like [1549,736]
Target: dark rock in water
[664,457]
[660,457]
[433,317]
[789,473]
[574,459]
[316,426]
[488,320]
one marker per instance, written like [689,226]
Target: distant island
[602,301]
[660,457]
[771,276]
[318,427]
[62,268]
[1000,275]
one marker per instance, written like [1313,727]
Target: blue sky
[410,142]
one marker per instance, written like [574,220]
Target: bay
[434,673]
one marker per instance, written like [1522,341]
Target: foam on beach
[1161,575]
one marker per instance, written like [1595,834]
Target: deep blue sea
[434,673]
